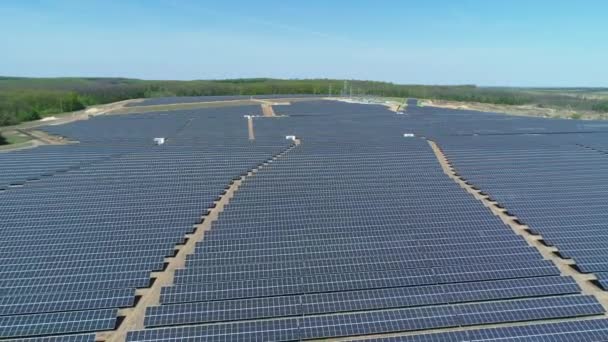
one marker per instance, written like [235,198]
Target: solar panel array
[215,126]
[557,187]
[356,231]
[91,221]
[550,174]
[193,99]
[19,167]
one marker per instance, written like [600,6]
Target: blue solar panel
[57,323]
[585,330]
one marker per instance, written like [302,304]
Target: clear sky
[484,42]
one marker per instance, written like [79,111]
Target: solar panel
[585,330]
[62,338]
[376,322]
[527,309]
[57,323]
[72,301]
[207,312]
[273,330]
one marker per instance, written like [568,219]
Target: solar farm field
[424,225]
[193,99]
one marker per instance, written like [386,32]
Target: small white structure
[159,141]
[290,137]
[409,135]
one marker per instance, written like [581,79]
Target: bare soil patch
[524,110]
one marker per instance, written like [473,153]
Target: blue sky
[509,43]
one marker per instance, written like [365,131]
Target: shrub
[601,106]
[576,116]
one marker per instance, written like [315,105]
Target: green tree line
[25,99]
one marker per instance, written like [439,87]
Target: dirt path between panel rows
[134,317]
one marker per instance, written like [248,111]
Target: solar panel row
[587,330]
[289,330]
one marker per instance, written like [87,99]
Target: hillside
[26,99]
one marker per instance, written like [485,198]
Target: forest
[26,99]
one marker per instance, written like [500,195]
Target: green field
[26,99]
